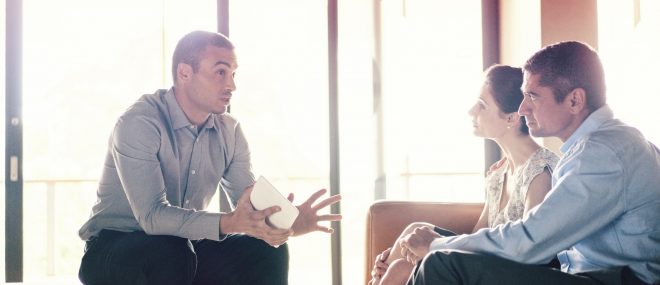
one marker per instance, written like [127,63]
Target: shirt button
[193,172]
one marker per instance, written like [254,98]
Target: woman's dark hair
[568,65]
[504,83]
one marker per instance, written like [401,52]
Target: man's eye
[221,72]
[531,96]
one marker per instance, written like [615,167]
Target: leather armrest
[387,219]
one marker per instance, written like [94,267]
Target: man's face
[212,85]
[545,117]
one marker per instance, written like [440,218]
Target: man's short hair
[191,45]
[565,66]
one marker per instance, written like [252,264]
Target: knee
[174,254]
[280,254]
[397,273]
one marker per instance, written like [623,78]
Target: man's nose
[523,110]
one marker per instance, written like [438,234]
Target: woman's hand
[380,265]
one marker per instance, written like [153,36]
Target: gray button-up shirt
[161,171]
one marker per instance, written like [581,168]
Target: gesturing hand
[308,218]
[245,219]
[417,244]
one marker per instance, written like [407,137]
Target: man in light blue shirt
[601,218]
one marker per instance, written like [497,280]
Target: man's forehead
[530,79]
[221,56]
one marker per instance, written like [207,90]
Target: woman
[514,184]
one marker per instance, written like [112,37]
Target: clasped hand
[417,244]
[245,219]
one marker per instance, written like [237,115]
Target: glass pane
[82,68]
[628,45]
[432,68]
[281,101]
[356,132]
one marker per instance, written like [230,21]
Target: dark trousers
[118,258]
[455,267]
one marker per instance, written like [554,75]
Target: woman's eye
[221,72]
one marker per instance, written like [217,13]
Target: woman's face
[488,121]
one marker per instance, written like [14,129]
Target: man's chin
[221,111]
[537,133]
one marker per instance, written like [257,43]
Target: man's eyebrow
[220,62]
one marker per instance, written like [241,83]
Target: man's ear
[576,100]
[183,71]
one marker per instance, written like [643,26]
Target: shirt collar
[178,117]
[593,122]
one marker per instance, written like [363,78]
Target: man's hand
[416,244]
[245,219]
[308,218]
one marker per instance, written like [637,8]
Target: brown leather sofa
[386,219]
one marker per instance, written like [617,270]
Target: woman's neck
[517,150]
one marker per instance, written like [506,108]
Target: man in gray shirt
[166,156]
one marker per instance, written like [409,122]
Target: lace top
[520,180]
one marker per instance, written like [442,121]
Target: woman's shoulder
[496,166]
[541,160]
[546,157]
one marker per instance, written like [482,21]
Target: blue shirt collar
[593,122]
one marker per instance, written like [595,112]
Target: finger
[382,266]
[331,217]
[404,250]
[266,212]
[315,196]
[325,229]
[290,197]
[386,253]
[245,198]
[328,201]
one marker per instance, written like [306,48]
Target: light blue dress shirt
[603,209]
[161,171]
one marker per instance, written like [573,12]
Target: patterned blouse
[540,160]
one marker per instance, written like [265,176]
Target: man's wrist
[225,224]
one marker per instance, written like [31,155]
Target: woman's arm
[483,219]
[538,188]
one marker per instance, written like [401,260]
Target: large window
[282,102]
[84,63]
[628,45]
[432,62]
